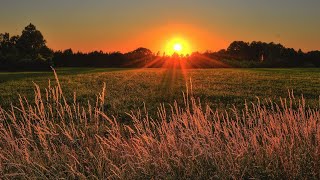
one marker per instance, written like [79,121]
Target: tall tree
[32,44]
[4,42]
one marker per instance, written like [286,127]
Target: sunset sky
[123,25]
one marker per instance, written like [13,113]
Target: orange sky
[155,38]
[115,25]
[197,39]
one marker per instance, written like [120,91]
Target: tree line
[270,54]
[29,51]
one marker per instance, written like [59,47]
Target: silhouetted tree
[239,49]
[313,58]
[139,57]
[28,51]
[32,44]
[257,51]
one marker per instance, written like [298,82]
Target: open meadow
[130,89]
[76,127]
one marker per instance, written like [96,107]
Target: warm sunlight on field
[159,89]
[178,45]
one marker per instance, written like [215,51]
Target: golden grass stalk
[51,138]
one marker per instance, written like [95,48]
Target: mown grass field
[129,89]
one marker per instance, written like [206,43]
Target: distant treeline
[29,52]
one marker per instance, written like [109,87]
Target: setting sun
[178,45]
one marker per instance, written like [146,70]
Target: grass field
[129,89]
[52,136]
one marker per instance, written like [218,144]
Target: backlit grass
[49,137]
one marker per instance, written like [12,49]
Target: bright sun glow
[177,45]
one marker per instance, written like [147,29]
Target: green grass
[129,89]
[50,138]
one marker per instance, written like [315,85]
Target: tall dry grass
[51,138]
